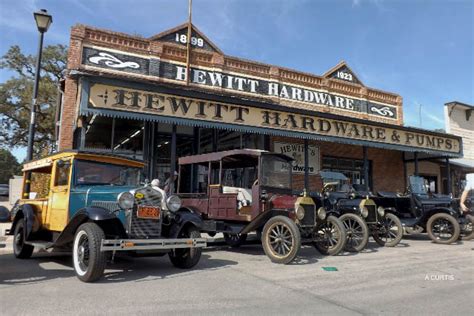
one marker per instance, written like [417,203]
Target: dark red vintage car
[244,190]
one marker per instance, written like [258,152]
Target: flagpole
[188,44]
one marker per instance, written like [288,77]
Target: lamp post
[43,21]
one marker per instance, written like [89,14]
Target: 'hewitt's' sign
[218,80]
[149,102]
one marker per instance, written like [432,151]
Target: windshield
[276,172]
[417,185]
[97,173]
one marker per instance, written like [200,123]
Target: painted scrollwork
[112,61]
[385,111]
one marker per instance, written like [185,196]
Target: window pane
[128,138]
[98,133]
[62,174]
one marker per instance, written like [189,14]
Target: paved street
[418,277]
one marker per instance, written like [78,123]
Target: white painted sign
[296,151]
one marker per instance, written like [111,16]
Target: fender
[26,211]
[103,217]
[184,217]
[391,210]
[262,218]
[446,210]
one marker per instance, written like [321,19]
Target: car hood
[101,192]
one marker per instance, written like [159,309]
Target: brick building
[139,97]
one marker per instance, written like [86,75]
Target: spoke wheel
[330,236]
[357,232]
[20,249]
[89,261]
[281,239]
[443,228]
[389,231]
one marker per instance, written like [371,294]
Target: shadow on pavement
[49,266]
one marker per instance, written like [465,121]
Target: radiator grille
[145,228]
[309,218]
[372,217]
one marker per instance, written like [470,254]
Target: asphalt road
[417,277]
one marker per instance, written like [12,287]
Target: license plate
[149,212]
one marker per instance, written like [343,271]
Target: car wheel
[389,231]
[281,239]
[235,240]
[330,236]
[467,232]
[186,258]
[20,249]
[357,232]
[89,261]
[443,228]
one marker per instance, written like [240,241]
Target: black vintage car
[438,215]
[360,214]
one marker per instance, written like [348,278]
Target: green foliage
[16,96]
[9,166]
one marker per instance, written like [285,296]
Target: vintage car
[244,190]
[438,215]
[360,214]
[95,206]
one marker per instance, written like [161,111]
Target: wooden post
[366,168]
[306,166]
[448,176]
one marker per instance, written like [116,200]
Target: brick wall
[387,165]
[71,101]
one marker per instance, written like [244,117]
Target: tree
[9,166]
[16,94]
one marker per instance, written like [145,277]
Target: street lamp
[43,21]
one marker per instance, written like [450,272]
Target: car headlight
[125,200]
[381,211]
[364,211]
[173,203]
[300,212]
[321,213]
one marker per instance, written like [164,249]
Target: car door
[59,195]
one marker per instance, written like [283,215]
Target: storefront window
[128,138]
[98,133]
[351,168]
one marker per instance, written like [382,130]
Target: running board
[40,244]
[151,244]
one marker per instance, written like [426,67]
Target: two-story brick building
[140,97]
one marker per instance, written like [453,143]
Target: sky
[419,49]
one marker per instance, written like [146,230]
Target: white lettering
[273,89]
[230,82]
[253,85]
[240,83]
[199,77]
[339,102]
[349,104]
[216,78]
[180,73]
[296,94]
[284,92]
[308,96]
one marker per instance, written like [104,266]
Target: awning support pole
[173,155]
[448,176]
[416,164]
[366,168]
[306,166]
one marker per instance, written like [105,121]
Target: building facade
[155,100]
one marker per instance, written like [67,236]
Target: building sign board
[103,96]
[296,151]
[236,83]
